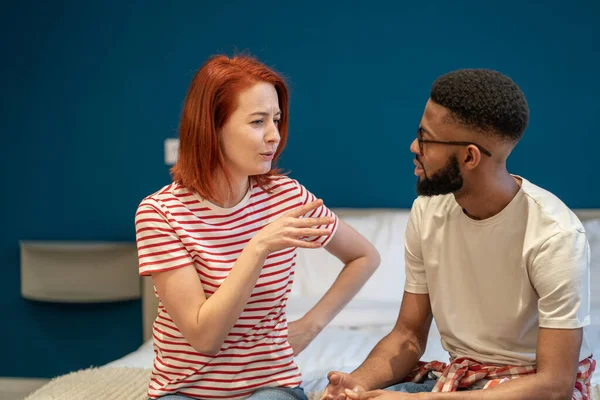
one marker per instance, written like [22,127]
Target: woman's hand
[300,334]
[289,229]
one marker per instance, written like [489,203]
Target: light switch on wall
[171,151]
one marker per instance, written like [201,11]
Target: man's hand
[338,383]
[380,395]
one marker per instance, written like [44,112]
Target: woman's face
[250,136]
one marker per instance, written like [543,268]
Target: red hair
[211,99]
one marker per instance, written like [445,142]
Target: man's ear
[472,157]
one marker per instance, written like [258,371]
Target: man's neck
[489,196]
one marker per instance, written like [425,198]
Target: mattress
[343,349]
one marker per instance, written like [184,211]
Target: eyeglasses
[421,141]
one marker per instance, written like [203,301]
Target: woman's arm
[361,259]
[205,323]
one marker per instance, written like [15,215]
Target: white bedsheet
[335,348]
[343,349]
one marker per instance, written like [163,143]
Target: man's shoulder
[546,210]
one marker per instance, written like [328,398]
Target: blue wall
[91,90]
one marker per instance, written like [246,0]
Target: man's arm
[397,354]
[394,356]
[557,358]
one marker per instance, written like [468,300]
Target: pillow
[316,269]
[592,331]
[358,313]
[592,230]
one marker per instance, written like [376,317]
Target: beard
[446,180]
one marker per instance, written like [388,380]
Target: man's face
[443,181]
[436,165]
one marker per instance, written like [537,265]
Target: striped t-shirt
[177,228]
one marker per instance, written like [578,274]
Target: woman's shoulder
[172,192]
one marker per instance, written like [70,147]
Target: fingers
[334,377]
[327,396]
[300,211]
[335,390]
[311,232]
[351,394]
[357,396]
[303,244]
[308,222]
[354,395]
[333,397]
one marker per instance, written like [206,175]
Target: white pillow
[592,331]
[358,313]
[592,230]
[316,270]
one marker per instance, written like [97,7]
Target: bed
[344,343]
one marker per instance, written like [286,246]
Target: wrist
[258,249]
[311,323]
[360,383]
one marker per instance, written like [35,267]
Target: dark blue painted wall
[91,90]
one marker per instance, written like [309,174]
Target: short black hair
[485,100]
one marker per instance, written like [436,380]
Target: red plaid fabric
[463,373]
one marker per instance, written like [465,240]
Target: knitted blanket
[122,383]
[106,383]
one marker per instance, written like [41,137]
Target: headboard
[150,303]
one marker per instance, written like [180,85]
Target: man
[500,263]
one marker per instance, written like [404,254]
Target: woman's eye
[276,122]
[257,122]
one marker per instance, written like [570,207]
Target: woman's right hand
[287,230]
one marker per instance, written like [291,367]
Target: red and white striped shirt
[177,228]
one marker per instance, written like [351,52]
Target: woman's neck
[226,196]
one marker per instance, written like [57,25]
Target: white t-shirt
[492,283]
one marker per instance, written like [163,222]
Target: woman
[220,243]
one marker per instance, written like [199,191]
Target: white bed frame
[150,303]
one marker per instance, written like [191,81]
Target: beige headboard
[150,303]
